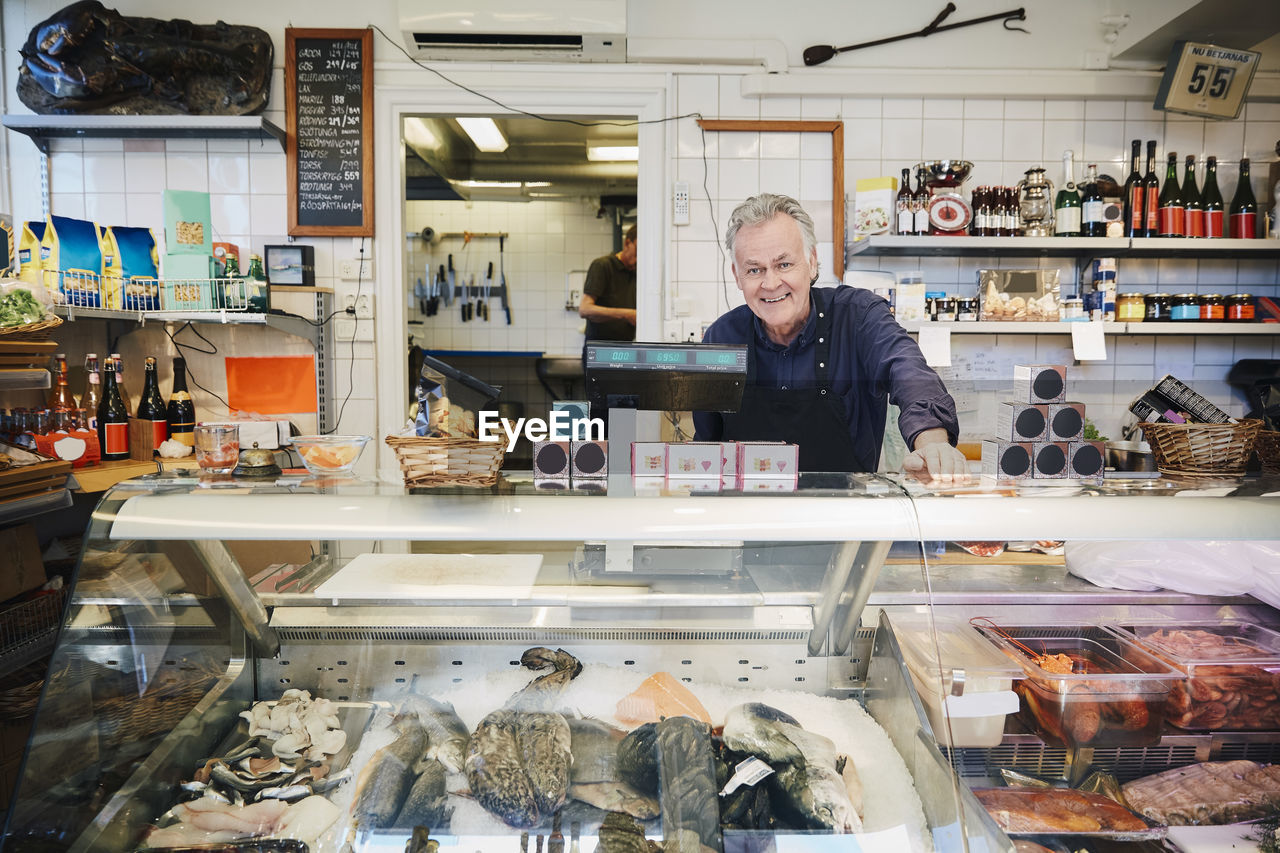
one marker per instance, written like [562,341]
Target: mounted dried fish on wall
[93,60]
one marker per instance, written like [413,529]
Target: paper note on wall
[272,385]
[935,343]
[1088,342]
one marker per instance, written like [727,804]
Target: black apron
[813,418]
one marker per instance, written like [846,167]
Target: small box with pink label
[767,460]
[648,458]
[694,459]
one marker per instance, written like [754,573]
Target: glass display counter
[721,669]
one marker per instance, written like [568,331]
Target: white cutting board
[478,576]
[1214,839]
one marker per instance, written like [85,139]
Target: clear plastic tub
[1231,668]
[1114,695]
[972,685]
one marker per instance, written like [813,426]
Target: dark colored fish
[385,781]
[638,759]
[595,751]
[426,804]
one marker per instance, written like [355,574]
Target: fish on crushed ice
[756,729]
[638,759]
[615,797]
[426,803]
[595,750]
[385,781]
[447,733]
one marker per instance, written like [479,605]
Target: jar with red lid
[1239,308]
[1213,306]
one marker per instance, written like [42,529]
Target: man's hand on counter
[934,461]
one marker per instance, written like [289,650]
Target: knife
[502,279]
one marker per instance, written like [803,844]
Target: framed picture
[290,265]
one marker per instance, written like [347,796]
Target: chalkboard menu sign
[329,110]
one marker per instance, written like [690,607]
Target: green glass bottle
[255,285]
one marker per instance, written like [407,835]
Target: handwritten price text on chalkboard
[329,109]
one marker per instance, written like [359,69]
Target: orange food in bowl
[330,457]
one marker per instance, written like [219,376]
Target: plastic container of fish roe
[963,679]
[1114,695]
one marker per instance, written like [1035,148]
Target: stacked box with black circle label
[1040,434]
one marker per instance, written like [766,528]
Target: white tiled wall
[551,244]
[1003,138]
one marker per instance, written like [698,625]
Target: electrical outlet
[351,269]
[680,203]
[364,306]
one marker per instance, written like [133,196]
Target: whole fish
[817,797]
[690,810]
[638,759]
[595,751]
[425,804]
[758,729]
[495,771]
[615,797]
[621,834]
[386,779]
[445,730]
[543,693]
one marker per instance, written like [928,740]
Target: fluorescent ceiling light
[515,185]
[484,133]
[613,152]
[417,134]
[537,184]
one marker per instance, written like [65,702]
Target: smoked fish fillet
[659,696]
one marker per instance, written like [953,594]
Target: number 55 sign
[1206,80]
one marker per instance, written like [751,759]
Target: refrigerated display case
[703,602]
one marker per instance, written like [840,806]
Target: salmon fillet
[659,696]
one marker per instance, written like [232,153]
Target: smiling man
[823,363]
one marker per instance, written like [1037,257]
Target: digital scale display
[688,357]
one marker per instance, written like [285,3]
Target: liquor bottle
[60,397]
[124,394]
[1192,204]
[978,227]
[1151,194]
[181,411]
[904,207]
[151,407]
[922,204]
[1091,221]
[1213,207]
[1012,221]
[1066,207]
[113,420]
[92,395]
[1244,207]
[1134,223]
[1172,208]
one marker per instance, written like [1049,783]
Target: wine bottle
[1244,207]
[1134,223]
[1172,208]
[1192,204]
[124,394]
[1214,212]
[922,204]
[151,407]
[92,395]
[904,206]
[1066,207]
[1151,194]
[181,413]
[1091,221]
[113,420]
[60,397]
[978,227]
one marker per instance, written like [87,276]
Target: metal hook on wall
[820,53]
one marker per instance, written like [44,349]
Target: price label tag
[749,772]
[1206,80]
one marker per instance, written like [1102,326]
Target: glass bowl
[330,454]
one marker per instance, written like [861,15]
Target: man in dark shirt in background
[609,294]
[823,363]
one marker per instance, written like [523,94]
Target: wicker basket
[429,462]
[1268,448]
[1202,450]
[41,331]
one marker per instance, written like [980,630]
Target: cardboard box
[729,460]
[1066,421]
[1006,460]
[1050,460]
[1022,421]
[873,206]
[1184,399]
[23,568]
[551,460]
[1087,459]
[767,484]
[648,458]
[694,459]
[589,460]
[1039,383]
[764,459]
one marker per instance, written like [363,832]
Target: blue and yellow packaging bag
[30,266]
[132,268]
[73,247]
[8,247]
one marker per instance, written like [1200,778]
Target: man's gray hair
[761,208]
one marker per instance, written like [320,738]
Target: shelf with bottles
[81,292]
[1063,327]
[894,245]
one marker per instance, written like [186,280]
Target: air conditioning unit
[485,30]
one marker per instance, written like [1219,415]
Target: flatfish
[595,751]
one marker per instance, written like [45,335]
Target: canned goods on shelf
[1239,307]
[1185,306]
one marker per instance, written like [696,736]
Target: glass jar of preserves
[1185,306]
[1131,307]
[967,309]
[1213,307]
[1239,307]
[1159,306]
[946,309]
[1072,309]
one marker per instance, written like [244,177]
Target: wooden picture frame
[836,129]
[332,167]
